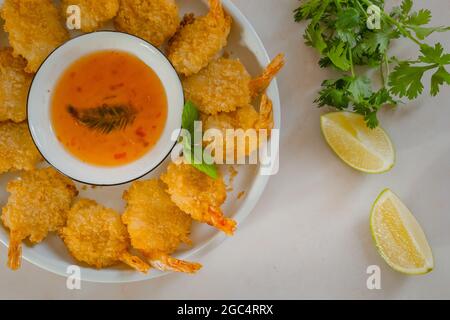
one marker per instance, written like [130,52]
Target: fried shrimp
[222,86]
[157,226]
[198,195]
[197,42]
[37,205]
[17,150]
[153,20]
[94,13]
[35,29]
[244,118]
[14,85]
[225,85]
[96,235]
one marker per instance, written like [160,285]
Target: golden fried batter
[195,44]
[152,20]
[35,29]
[157,226]
[225,85]
[94,13]
[222,86]
[96,235]
[244,118]
[14,85]
[37,205]
[198,195]
[17,150]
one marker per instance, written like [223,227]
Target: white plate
[52,255]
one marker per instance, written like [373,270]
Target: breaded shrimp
[96,235]
[225,85]
[220,87]
[37,205]
[198,195]
[14,85]
[94,13]
[17,150]
[197,42]
[152,20]
[157,226]
[244,118]
[35,29]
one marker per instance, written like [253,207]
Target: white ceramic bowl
[40,97]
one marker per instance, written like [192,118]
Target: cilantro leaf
[406,6]
[307,10]
[434,54]
[406,80]
[423,32]
[440,77]
[334,93]
[338,55]
[347,25]
[360,88]
[419,18]
[313,38]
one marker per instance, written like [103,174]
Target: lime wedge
[398,236]
[364,149]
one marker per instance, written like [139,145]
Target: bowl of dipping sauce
[103,108]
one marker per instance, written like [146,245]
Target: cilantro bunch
[338,31]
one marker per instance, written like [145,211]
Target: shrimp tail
[216,9]
[260,83]
[134,262]
[265,120]
[15,251]
[219,221]
[165,262]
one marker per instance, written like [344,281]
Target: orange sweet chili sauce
[101,84]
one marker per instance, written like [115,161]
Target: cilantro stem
[361,8]
[351,61]
[405,32]
[338,5]
[399,26]
[386,61]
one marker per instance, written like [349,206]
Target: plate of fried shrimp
[163,221]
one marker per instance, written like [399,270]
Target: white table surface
[309,235]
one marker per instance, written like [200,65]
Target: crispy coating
[157,226]
[94,13]
[35,29]
[225,85]
[37,205]
[153,20]
[197,42]
[198,195]
[245,118]
[220,87]
[17,150]
[96,235]
[14,85]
